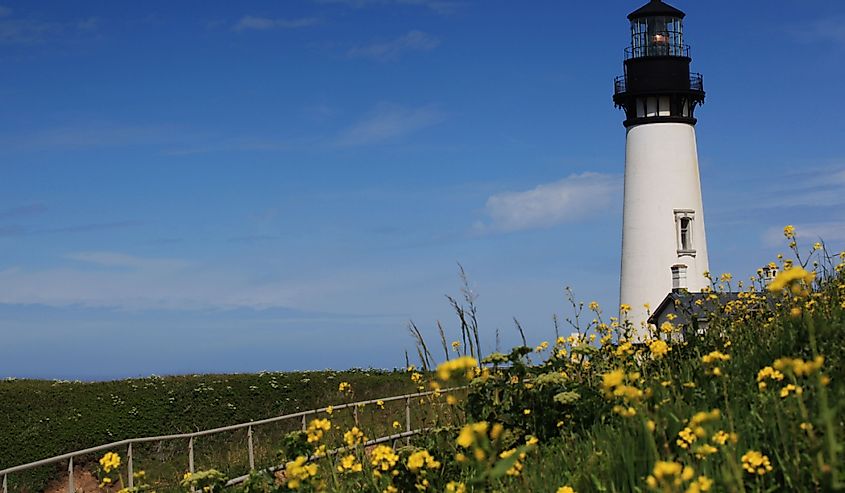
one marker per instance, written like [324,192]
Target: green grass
[39,419]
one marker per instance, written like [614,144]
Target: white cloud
[250,22]
[388,121]
[546,205]
[388,51]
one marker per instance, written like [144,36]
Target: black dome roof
[656,8]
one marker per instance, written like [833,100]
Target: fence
[190,437]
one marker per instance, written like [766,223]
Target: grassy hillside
[39,419]
[752,403]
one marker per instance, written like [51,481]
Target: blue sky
[238,186]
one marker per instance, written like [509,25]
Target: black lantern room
[657,85]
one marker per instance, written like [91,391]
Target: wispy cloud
[25,31]
[392,50]
[255,23]
[829,29]
[89,135]
[439,6]
[17,230]
[84,228]
[808,233]
[130,282]
[389,121]
[23,210]
[818,187]
[122,260]
[568,200]
[88,24]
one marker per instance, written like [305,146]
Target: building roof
[656,8]
[687,302]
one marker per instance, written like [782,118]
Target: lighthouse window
[685,236]
[640,107]
[663,109]
[651,106]
[683,222]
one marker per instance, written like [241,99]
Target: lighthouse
[664,247]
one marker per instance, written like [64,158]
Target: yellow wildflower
[354,437]
[110,462]
[565,489]
[464,365]
[685,438]
[669,475]
[349,464]
[316,428]
[612,379]
[700,485]
[658,348]
[756,463]
[792,278]
[383,457]
[469,433]
[767,373]
[455,487]
[421,459]
[297,471]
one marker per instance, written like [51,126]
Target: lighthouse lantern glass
[657,36]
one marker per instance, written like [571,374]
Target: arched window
[684,231]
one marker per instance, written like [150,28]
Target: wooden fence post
[249,446]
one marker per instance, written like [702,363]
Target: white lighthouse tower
[664,247]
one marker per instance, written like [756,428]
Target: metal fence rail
[248,425]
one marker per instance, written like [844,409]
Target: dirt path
[83,481]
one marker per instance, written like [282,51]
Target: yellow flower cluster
[470,433]
[565,489]
[799,367]
[383,457]
[712,361]
[756,463]
[421,459]
[658,348]
[110,462]
[344,387]
[669,475]
[354,437]
[349,464]
[456,487]
[721,437]
[465,365]
[516,468]
[298,470]
[767,373]
[715,357]
[316,429]
[790,388]
[796,279]
[695,430]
